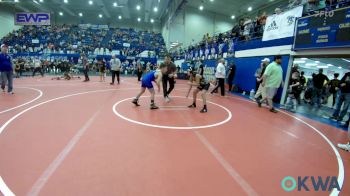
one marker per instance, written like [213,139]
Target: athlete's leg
[195,92]
[204,97]
[135,101]
[153,105]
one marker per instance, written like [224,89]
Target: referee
[169,77]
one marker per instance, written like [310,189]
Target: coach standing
[169,77]
[220,75]
[115,68]
[85,63]
[6,70]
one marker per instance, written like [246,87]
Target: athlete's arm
[158,76]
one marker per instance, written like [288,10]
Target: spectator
[344,98]
[261,90]
[231,76]
[334,87]
[318,84]
[272,80]
[293,93]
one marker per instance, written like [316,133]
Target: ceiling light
[41,1]
[100,15]
[250,9]
[317,61]
[152,21]
[311,64]
[16,1]
[330,65]
[139,19]
[120,17]
[138,7]
[80,14]
[155,9]
[233,17]
[299,61]
[61,14]
[65,1]
[339,67]
[91,2]
[211,0]
[36,2]
[304,59]
[346,60]
[115,4]
[322,67]
[201,7]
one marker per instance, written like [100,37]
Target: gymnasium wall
[191,23]
[246,67]
[7,22]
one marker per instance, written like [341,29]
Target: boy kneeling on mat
[199,81]
[153,76]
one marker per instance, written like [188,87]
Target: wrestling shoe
[154,107]
[192,106]
[204,110]
[167,99]
[135,101]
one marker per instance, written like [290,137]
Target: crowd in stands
[248,28]
[72,39]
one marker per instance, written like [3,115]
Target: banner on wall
[281,25]
[32,18]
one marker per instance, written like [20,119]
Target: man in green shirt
[272,80]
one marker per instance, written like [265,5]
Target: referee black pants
[165,81]
[115,73]
[221,84]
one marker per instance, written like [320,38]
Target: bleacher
[90,39]
[248,34]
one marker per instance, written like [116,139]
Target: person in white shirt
[37,67]
[220,77]
[115,68]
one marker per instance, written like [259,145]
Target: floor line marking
[31,101]
[229,116]
[4,189]
[341,171]
[45,176]
[229,169]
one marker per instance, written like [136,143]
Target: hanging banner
[281,25]
[32,18]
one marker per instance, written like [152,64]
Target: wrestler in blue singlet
[148,79]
